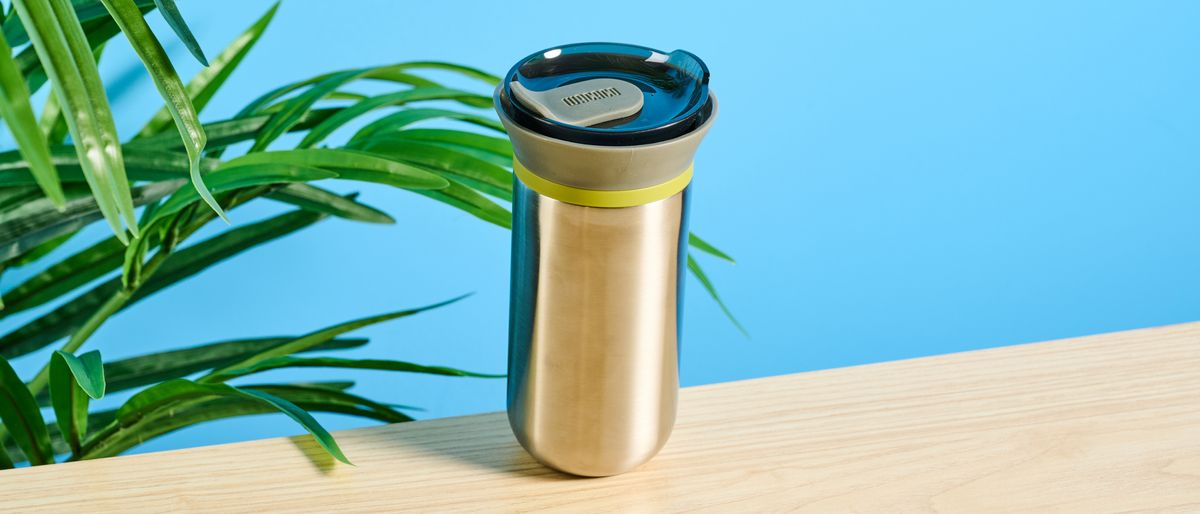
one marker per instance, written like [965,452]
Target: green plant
[182,180]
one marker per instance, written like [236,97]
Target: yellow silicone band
[602,198]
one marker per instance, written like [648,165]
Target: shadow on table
[484,442]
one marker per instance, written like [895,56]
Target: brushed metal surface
[594,330]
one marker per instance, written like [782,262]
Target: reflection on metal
[594,330]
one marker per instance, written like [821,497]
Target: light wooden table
[1107,423]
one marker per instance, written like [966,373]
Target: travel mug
[603,139]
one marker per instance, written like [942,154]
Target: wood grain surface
[1107,423]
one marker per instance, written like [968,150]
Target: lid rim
[686,121]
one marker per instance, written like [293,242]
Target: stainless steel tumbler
[603,139]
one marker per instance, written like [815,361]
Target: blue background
[895,179]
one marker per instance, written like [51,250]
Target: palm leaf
[497,146]
[238,176]
[401,119]
[288,361]
[171,13]
[325,399]
[315,338]
[302,417]
[466,71]
[64,52]
[228,132]
[291,111]
[98,31]
[14,197]
[41,250]
[6,460]
[87,11]
[38,221]
[71,273]
[712,291]
[69,317]
[148,49]
[20,415]
[73,380]
[156,367]
[495,150]
[52,124]
[167,396]
[205,84]
[310,397]
[419,94]
[393,72]
[144,164]
[470,151]
[85,58]
[350,165]
[705,247]
[470,170]
[143,370]
[313,198]
[75,271]
[471,202]
[17,112]
[58,442]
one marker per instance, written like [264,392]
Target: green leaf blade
[466,71]
[166,80]
[392,72]
[87,11]
[477,173]
[61,278]
[404,118]
[179,391]
[351,165]
[324,398]
[232,176]
[695,242]
[471,202]
[87,371]
[313,397]
[85,57]
[288,361]
[6,460]
[170,12]
[498,146]
[155,367]
[152,368]
[20,415]
[320,132]
[63,50]
[712,291]
[205,84]
[17,112]
[315,338]
[73,382]
[227,132]
[38,221]
[309,197]
[322,436]
[292,110]
[69,317]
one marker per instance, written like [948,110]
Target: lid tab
[583,104]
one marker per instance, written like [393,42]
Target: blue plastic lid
[674,89]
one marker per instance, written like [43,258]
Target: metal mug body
[594,332]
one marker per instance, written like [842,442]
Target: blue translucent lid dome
[674,88]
